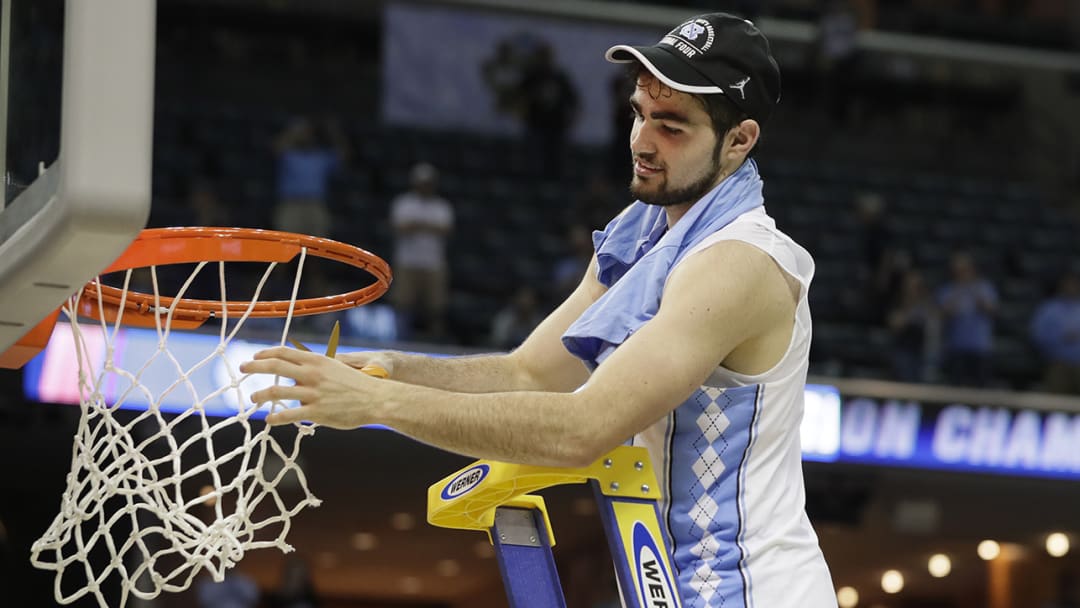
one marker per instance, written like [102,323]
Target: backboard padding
[86,208]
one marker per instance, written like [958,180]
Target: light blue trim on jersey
[665,517]
[748,580]
[713,432]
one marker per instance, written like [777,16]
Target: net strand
[132,509]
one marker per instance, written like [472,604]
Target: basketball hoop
[162,246]
[145,503]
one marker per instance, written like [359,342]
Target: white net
[154,498]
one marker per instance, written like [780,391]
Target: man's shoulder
[743,264]
[756,230]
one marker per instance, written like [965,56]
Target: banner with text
[835,428]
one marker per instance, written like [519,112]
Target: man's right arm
[541,363]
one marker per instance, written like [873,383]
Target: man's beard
[687,194]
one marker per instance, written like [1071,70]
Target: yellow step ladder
[496,497]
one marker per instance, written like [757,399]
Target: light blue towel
[635,253]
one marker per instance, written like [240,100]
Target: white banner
[434,60]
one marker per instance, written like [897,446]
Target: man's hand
[330,392]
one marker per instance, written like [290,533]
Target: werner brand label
[648,561]
[654,579]
[465,482]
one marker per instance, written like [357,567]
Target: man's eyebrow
[664,115]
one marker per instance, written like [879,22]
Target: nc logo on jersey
[655,585]
[466,481]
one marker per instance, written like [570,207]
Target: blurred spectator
[622,120]
[296,589]
[516,320]
[891,273]
[874,238]
[205,207]
[598,203]
[236,591]
[913,325]
[881,269]
[503,74]
[838,58]
[550,106]
[1055,329]
[570,268]
[422,221]
[968,304]
[375,322]
[307,155]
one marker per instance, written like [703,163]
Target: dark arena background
[918,145]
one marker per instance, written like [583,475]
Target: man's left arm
[714,301]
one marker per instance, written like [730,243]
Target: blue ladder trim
[529,572]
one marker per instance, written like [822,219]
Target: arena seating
[940,194]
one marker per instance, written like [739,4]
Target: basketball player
[689,334]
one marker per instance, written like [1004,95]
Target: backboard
[76,126]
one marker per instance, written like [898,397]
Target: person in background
[1055,329]
[515,321]
[308,154]
[596,203]
[502,73]
[572,264]
[422,222]
[838,58]
[912,323]
[622,119]
[872,292]
[968,303]
[549,109]
[205,206]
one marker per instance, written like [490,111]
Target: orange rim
[28,346]
[163,246]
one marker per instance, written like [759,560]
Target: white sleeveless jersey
[730,464]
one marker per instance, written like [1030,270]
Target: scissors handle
[375,370]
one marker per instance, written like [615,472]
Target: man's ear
[744,136]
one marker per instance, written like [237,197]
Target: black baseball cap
[713,53]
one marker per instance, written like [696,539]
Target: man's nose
[640,143]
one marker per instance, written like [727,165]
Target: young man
[689,334]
